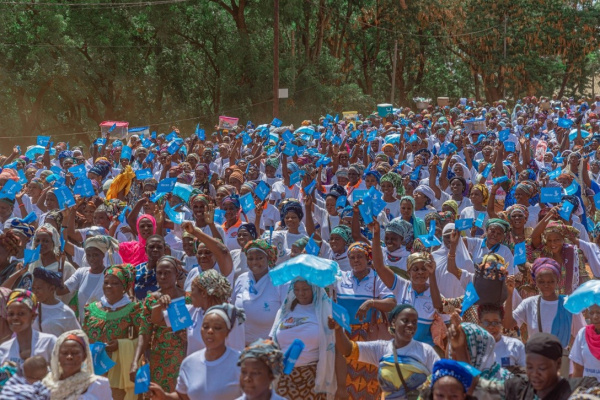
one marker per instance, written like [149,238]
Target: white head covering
[325,381]
[465,170]
[47,228]
[75,385]
[426,191]
[463,261]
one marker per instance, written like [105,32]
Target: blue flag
[311,186]
[312,247]
[550,195]
[247,203]
[487,170]
[176,217]
[149,157]
[171,136]
[102,361]
[126,152]
[358,194]
[142,379]
[509,146]
[288,136]
[341,316]
[262,190]
[464,224]
[572,188]
[10,189]
[471,297]
[503,135]
[554,174]
[166,185]
[64,197]
[296,177]
[78,171]
[30,218]
[520,254]
[290,150]
[123,215]
[84,188]
[31,255]
[597,200]
[565,210]
[291,356]
[500,179]
[276,122]
[480,220]
[219,217]
[142,174]
[366,212]
[342,200]
[112,128]
[565,123]
[179,315]
[43,140]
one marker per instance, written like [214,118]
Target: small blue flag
[291,356]
[149,157]
[157,197]
[296,177]
[271,150]
[176,217]
[503,135]
[520,254]
[56,170]
[142,379]
[480,219]
[22,177]
[123,215]
[555,174]
[247,203]
[171,136]
[166,185]
[565,123]
[64,197]
[31,255]
[550,195]
[101,360]
[566,210]
[112,128]
[572,188]
[219,217]
[312,247]
[341,316]
[30,218]
[290,150]
[311,186]
[78,171]
[276,122]
[366,212]
[126,152]
[175,145]
[179,315]
[84,188]
[323,161]
[262,190]
[500,179]
[597,201]
[487,170]
[471,297]
[464,224]
[358,194]
[43,140]
[142,174]
[509,146]
[100,141]
[342,200]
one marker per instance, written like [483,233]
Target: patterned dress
[167,348]
[104,326]
[145,281]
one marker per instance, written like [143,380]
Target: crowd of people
[464,243]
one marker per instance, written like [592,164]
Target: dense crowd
[436,253]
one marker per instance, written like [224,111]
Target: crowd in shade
[438,252]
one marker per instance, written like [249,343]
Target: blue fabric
[561,326]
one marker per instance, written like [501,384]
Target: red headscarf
[134,252]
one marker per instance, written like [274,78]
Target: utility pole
[394,72]
[276,59]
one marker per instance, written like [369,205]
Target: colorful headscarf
[415,258]
[374,173]
[272,162]
[233,199]
[363,248]
[49,229]
[480,345]
[102,243]
[214,284]
[23,296]
[493,267]
[453,369]
[11,242]
[566,231]
[544,263]
[344,232]
[402,228]
[199,197]
[485,193]
[266,351]
[265,247]
[395,180]
[135,252]
[124,272]
[229,313]
[453,205]
[51,277]
[527,187]
[502,224]
[250,228]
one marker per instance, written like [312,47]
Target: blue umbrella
[315,270]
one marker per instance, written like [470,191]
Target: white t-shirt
[200,379]
[261,301]
[235,340]
[300,323]
[88,287]
[56,319]
[532,220]
[240,262]
[98,390]
[526,313]
[41,345]
[274,396]
[510,352]
[581,354]
[464,203]
[392,210]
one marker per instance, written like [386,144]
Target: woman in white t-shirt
[212,373]
[246,233]
[21,309]
[255,293]
[479,196]
[72,370]
[303,316]
[510,352]
[585,351]
[546,309]
[260,364]
[54,317]
[292,213]
[414,359]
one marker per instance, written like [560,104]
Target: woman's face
[594,315]
[448,388]
[546,282]
[34,190]
[257,262]
[370,181]
[406,208]
[94,257]
[113,288]
[554,242]
[342,180]
[51,201]
[43,290]
[221,194]
[292,221]
[198,208]
[330,205]
[6,210]
[214,331]
[270,171]
[405,325]
[353,177]
[337,243]
[166,274]
[393,241]
[70,358]
[456,187]
[303,293]
[44,240]
[193,162]
[517,220]
[146,229]
[243,237]
[476,197]
[491,322]
[458,171]
[231,212]
[541,371]
[255,378]
[358,261]
[418,273]
[88,212]
[495,235]
[296,251]
[19,317]
[187,244]
[100,218]
[387,188]
[205,257]
[521,197]
[155,249]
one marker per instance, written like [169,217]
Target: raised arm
[492,201]
[444,176]
[386,275]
